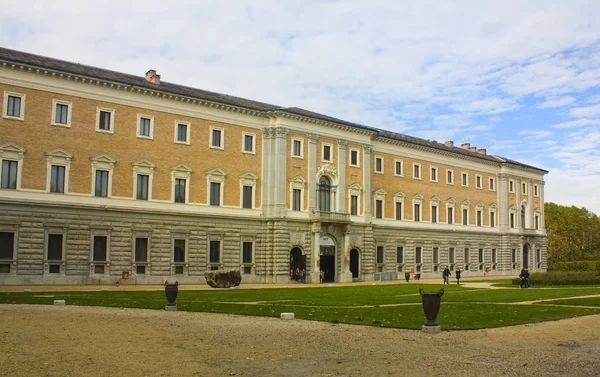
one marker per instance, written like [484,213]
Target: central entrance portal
[327,259]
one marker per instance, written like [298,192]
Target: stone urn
[171,291]
[431,308]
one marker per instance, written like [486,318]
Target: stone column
[345,275]
[503,202]
[266,181]
[367,181]
[529,217]
[518,224]
[279,176]
[542,210]
[312,172]
[341,191]
[316,253]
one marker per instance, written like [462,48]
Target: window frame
[47,261]
[301,141]
[464,179]
[143,167]
[247,180]
[151,130]
[134,262]
[245,264]
[375,161]
[12,152]
[14,229]
[253,136]
[417,165]
[433,169]
[511,186]
[492,183]
[357,151]
[355,190]
[451,181]
[478,181]
[112,112]
[22,96]
[58,157]
[214,238]
[186,254]
[297,183]
[106,262]
[188,126]
[106,163]
[55,103]
[396,162]
[536,190]
[181,171]
[211,144]
[399,197]
[524,188]
[330,146]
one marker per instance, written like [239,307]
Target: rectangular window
[9,174]
[417,213]
[57,178]
[478,181]
[493,219]
[417,171]
[465,217]
[353,157]
[296,199]
[434,214]
[537,222]
[180,190]
[55,247]
[215,194]
[104,120]
[247,195]
[101,188]
[7,244]
[449,177]
[450,215]
[100,248]
[354,205]
[418,256]
[511,186]
[492,184]
[297,148]
[524,189]
[179,251]
[535,190]
[398,168]
[215,252]
[480,255]
[494,256]
[513,254]
[379,209]
[144,127]
[142,187]
[247,252]
[61,113]
[141,249]
[182,132]
[399,255]
[479,218]
[512,220]
[398,210]
[378,165]
[434,172]
[248,143]
[13,108]
[467,256]
[538,256]
[451,255]
[436,255]
[216,138]
[326,152]
[379,254]
[465,179]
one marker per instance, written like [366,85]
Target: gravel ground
[94,341]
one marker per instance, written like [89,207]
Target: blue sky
[519,78]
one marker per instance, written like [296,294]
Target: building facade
[104,173]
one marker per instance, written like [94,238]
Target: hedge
[561,278]
[578,266]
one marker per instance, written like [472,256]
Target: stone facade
[265,189]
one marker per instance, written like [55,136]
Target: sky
[519,78]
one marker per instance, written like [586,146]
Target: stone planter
[431,308]
[171,291]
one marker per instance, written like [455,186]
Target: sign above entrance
[327,241]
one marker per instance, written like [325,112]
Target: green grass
[396,306]
[589,301]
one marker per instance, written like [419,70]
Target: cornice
[302,118]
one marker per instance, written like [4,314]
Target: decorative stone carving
[342,144]
[327,170]
[368,148]
[502,177]
[312,138]
[280,132]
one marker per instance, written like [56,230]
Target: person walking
[458,272]
[446,275]
[524,275]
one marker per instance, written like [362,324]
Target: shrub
[223,279]
[562,278]
[577,266]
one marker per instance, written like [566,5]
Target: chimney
[449,143]
[465,146]
[473,149]
[152,77]
[482,151]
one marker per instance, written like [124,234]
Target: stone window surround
[403,246]
[47,262]
[523,188]
[513,211]
[69,111]
[463,179]
[58,157]
[181,171]
[396,161]
[417,164]
[379,194]
[143,167]
[492,211]
[246,179]
[492,183]
[479,209]
[11,228]
[418,199]
[536,190]
[23,97]
[478,181]
[141,234]
[450,182]
[437,173]
[244,134]
[450,203]
[216,176]
[13,152]
[357,151]
[297,183]
[222,144]
[214,237]
[180,236]
[323,145]
[375,159]
[137,128]
[247,238]
[187,131]
[102,232]
[511,186]
[465,205]
[103,162]
[434,201]
[111,126]
[399,197]
[355,190]
[301,155]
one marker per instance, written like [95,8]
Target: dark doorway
[296,262]
[525,256]
[328,266]
[354,263]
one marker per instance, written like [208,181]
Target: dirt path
[93,341]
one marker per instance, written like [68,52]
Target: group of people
[446,275]
[298,274]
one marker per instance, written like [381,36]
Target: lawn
[396,306]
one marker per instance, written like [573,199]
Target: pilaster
[312,171]
[341,191]
[367,181]
[503,202]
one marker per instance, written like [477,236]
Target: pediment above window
[216,172]
[59,156]
[12,151]
[103,161]
[418,197]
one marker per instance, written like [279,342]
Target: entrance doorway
[327,265]
[354,263]
[525,256]
[297,262]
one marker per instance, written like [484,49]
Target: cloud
[577,123]
[557,102]
[587,111]
[535,134]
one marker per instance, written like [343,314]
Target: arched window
[324,194]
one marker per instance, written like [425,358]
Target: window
[180,190]
[182,132]
[398,168]
[180,180]
[436,255]
[494,256]
[538,255]
[296,199]
[247,252]
[354,161]
[418,256]
[465,216]
[101,185]
[57,179]
[214,252]
[399,210]
[354,205]
[378,164]
[142,187]
[511,186]
[14,106]
[327,157]
[379,209]
[465,179]
[451,255]
[536,190]
[479,217]
[524,190]
[7,251]
[141,250]
[512,220]
[9,174]
[399,255]
[513,257]
[324,196]
[492,184]
[216,138]
[145,127]
[100,254]
[478,183]
[179,250]
[467,255]
[537,222]
[450,177]
[492,219]
[248,143]
[215,194]
[54,252]
[417,212]
[105,120]
[480,255]
[450,216]
[247,196]
[61,113]
[416,171]
[434,174]
[297,150]
[434,214]
[379,254]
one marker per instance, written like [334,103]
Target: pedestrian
[302,276]
[446,274]
[407,276]
[524,275]
[321,276]
[458,272]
